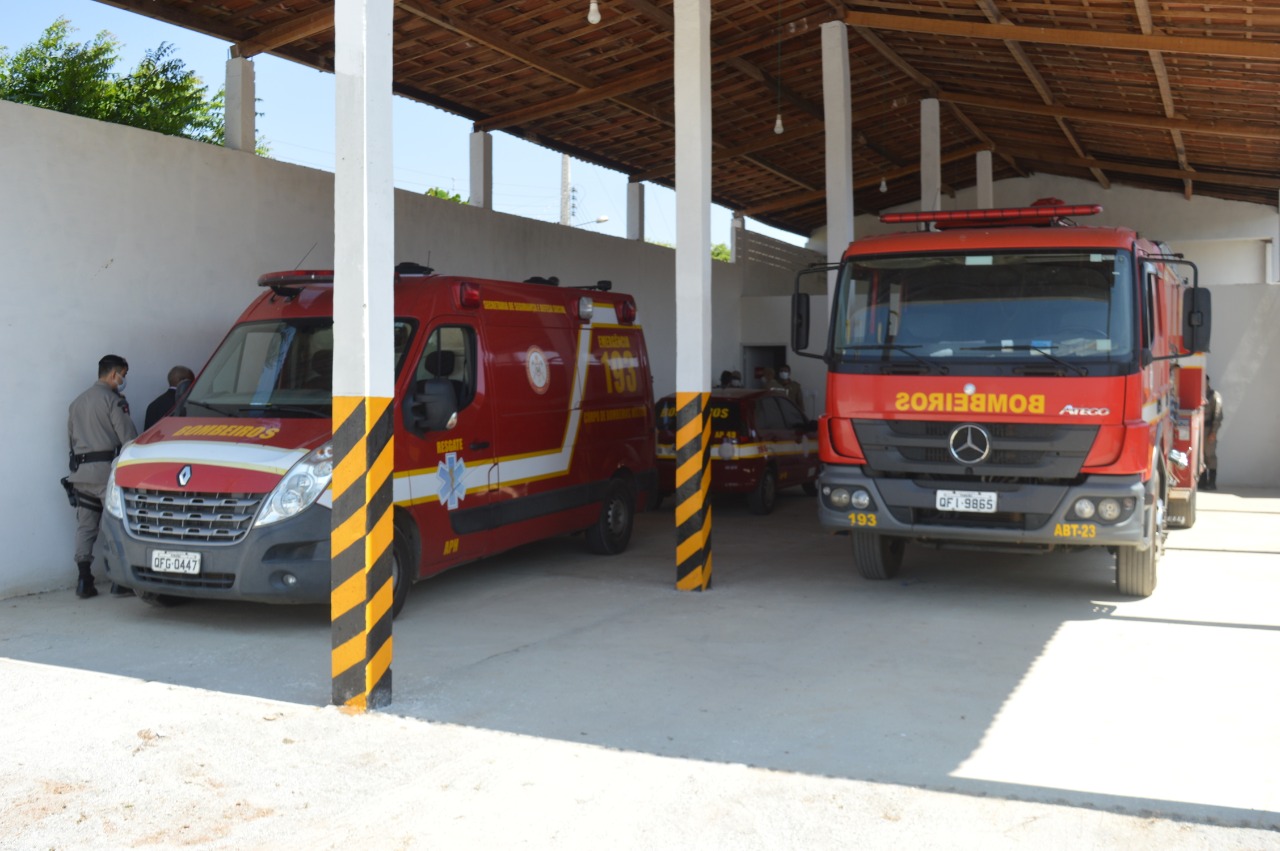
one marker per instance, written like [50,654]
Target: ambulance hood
[218,455]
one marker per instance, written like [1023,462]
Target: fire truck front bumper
[1100,511]
[285,562]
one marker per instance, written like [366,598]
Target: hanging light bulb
[884,187]
[777,125]
[593,13]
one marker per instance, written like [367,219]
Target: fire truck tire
[765,496]
[611,532]
[160,601]
[1136,571]
[877,556]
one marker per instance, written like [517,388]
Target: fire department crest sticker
[536,369]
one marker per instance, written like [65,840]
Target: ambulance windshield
[1064,309]
[279,367]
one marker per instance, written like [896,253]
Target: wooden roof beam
[291,29]
[1050,158]
[1143,10]
[1232,48]
[1124,119]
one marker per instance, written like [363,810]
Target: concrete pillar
[241,132]
[566,192]
[635,211]
[363,373]
[1275,254]
[693,291]
[986,189]
[737,237]
[481,170]
[930,155]
[837,111]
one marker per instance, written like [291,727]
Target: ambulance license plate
[172,561]
[980,502]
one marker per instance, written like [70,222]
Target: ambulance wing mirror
[1197,319]
[182,391]
[432,407]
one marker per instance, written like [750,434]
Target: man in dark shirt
[164,403]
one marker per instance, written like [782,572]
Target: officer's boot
[84,585]
[1213,480]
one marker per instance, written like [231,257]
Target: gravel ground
[99,761]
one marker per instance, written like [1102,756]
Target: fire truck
[522,411]
[1009,379]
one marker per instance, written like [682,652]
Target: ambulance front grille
[194,518]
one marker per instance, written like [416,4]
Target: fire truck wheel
[611,532]
[161,601]
[1136,571]
[765,496]
[876,556]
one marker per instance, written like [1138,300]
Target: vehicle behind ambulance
[522,411]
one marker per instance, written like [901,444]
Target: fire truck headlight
[860,499]
[300,487]
[837,498]
[1109,510]
[113,499]
[1084,508]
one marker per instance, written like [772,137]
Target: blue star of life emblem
[452,472]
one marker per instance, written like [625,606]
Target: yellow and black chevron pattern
[693,480]
[360,605]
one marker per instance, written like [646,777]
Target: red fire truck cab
[1008,379]
[522,411]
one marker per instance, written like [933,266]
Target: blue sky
[430,146]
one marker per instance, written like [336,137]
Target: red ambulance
[523,411]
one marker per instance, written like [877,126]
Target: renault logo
[184,475]
[969,444]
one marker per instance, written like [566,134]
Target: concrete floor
[992,676]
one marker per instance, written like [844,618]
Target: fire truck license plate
[982,502]
[170,561]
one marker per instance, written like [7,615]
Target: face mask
[122,383]
[784,375]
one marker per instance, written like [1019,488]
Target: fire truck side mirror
[1197,317]
[432,407]
[799,322]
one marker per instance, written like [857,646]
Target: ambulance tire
[402,571]
[764,498]
[877,556]
[160,601]
[611,532]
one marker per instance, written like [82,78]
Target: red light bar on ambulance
[1041,215]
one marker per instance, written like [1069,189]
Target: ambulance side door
[452,468]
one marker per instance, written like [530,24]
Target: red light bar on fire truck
[1041,215]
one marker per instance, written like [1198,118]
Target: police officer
[98,424]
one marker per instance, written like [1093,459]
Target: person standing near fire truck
[98,424]
[1212,422]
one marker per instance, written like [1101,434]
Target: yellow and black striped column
[693,480]
[360,605]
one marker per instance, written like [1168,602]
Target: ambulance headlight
[113,499]
[300,487]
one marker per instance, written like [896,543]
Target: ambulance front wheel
[765,496]
[402,572]
[611,532]
[876,556]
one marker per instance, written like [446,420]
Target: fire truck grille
[192,518]
[1018,450]
[999,520]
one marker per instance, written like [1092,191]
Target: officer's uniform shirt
[97,420]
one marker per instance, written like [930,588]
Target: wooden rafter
[291,29]
[1103,40]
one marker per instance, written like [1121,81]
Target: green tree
[445,194]
[720,252]
[161,94]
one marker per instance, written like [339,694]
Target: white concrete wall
[122,241]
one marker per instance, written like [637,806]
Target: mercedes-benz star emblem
[184,475]
[969,444]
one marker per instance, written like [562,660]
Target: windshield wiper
[221,410]
[1024,347]
[271,408]
[900,348]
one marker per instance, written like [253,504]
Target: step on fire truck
[1007,379]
